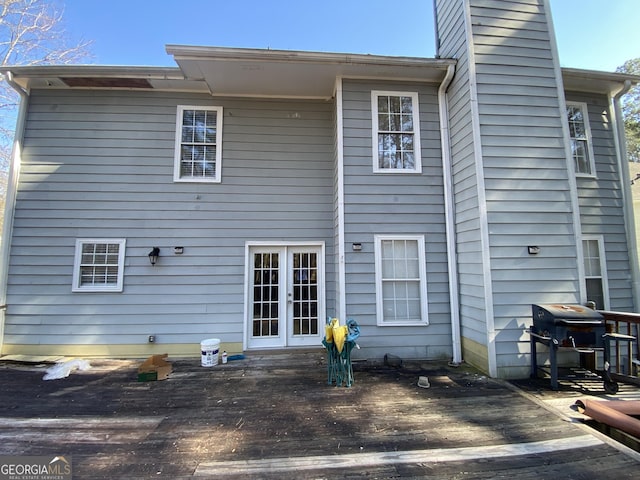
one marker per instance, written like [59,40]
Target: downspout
[627,198]
[10,201]
[447,173]
[342,273]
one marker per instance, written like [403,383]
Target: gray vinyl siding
[601,199]
[527,188]
[100,165]
[473,308]
[398,204]
[450,28]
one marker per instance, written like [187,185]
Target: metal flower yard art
[339,340]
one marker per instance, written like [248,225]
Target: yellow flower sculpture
[328,330]
[339,336]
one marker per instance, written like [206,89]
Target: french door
[285,304]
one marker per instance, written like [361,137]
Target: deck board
[270,407]
[32,358]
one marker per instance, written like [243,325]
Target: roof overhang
[283,73]
[593,81]
[101,77]
[270,73]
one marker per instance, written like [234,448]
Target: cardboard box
[154,368]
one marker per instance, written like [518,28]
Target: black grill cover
[547,317]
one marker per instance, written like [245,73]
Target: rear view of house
[432,200]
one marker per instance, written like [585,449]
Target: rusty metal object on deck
[613,413]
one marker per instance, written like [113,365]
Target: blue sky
[591,34]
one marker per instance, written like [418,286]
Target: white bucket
[210,349]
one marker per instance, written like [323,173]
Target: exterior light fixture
[153,255]
[533,250]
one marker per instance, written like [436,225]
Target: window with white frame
[396,132]
[595,271]
[98,265]
[580,135]
[198,151]
[401,290]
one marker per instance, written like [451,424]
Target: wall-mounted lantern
[153,255]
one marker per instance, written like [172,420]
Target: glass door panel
[286,304]
[265,299]
[304,296]
[266,295]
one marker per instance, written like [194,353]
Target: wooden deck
[274,417]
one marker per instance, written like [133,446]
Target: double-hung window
[580,135]
[595,271]
[396,132]
[401,289]
[98,265]
[198,151]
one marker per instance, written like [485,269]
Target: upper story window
[401,284]
[198,154]
[396,132]
[580,134]
[98,265]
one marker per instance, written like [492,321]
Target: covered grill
[571,327]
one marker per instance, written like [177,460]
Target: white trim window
[396,132]
[98,265]
[595,271]
[580,136]
[401,280]
[198,150]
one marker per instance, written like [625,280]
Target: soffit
[279,73]
[248,72]
[595,81]
[102,77]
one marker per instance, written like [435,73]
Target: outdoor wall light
[153,255]
[357,247]
[533,250]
